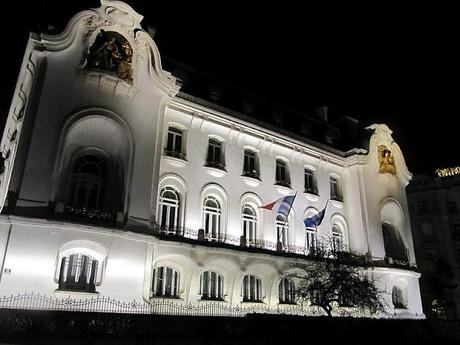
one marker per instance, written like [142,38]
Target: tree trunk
[328,309]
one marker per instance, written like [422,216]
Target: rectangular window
[452,207]
[335,189]
[456,232]
[174,143]
[310,183]
[282,173]
[250,167]
[428,232]
[423,207]
[215,157]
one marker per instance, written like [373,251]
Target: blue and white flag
[314,221]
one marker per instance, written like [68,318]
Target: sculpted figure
[386,161]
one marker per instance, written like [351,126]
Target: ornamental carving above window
[111,52]
[386,161]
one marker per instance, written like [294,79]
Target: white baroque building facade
[115,183]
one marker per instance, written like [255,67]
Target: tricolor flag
[282,205]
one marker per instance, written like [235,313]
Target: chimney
[321,112]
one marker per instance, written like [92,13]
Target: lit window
[252,289]
[282,173]
[335,189]
[78,272]
[165,282]
[211,286]
[282,227]
[215,154]
[310,240]
[310,182]
[174,143]
[212,213]
[337,239]
[286,291]
[250,166]
[169,209]
[249,218]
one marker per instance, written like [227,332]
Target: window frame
[165,282]
[212,219]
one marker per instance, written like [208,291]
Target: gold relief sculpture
[386,161]
[111,52]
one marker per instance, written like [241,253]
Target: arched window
[212,214]
[211,286]
[286,290]
[393,243]
[169,204]
[252,289]
[282,227]
[88,182]
[310,240]
[337,239]
[398,298]
[165,282]
[78,272]
[249,218]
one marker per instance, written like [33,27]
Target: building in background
[434,204]
[121,181]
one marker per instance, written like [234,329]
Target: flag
[314,221]
[282,205]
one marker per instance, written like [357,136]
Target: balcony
[251,178]
[215,168]
[311,194]
[89,215]
[198,237]
[283,186]
[175,158]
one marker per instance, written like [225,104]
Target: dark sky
[397,65]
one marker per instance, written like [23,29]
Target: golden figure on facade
[386,161]
[111,52]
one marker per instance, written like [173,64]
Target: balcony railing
[337,197]
[184,234]
[283,183]
[311,191]
[251,173]
[175,154]
[215,164]
[90,215]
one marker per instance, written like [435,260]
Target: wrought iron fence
[101,304]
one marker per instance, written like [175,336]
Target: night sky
[397,65]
